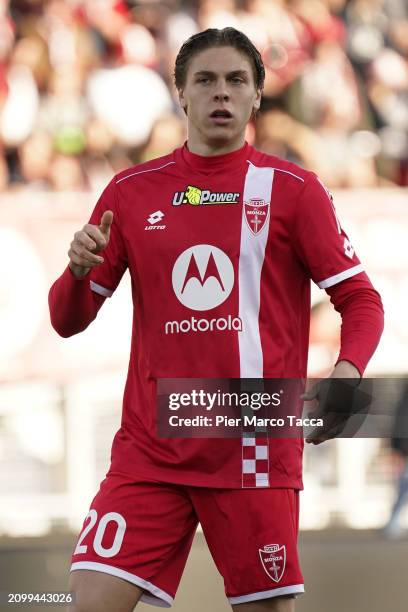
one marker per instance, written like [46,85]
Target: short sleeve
[319,240]
[106,277]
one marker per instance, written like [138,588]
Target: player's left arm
[362,323]
[332,263]
[330,258]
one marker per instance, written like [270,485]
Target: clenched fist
[87,243]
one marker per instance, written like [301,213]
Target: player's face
[219,96]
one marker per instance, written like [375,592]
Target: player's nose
[221,93]
[221,97]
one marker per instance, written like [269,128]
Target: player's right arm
[97,261]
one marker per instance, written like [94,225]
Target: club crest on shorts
[256,214]
[273,559]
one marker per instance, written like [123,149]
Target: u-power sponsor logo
[198,197]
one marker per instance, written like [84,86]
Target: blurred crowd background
[86,89]
[86,86]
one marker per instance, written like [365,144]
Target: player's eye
[203,80]
[237,80]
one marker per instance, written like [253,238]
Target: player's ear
[257,101]
[256,104]
[182,100]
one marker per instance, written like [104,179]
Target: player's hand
[337,401]
[323,394]
[88,243]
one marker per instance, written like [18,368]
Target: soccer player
[221,242]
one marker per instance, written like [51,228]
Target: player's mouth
[221,116]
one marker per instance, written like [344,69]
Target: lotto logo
[155,217]
[348,248]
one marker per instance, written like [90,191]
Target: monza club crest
[273,559]
[256,214]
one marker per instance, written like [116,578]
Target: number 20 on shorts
[100,531]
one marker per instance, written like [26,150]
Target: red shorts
[143,531]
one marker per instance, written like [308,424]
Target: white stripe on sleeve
[337,278]
[101,290]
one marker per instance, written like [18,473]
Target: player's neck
[208,149]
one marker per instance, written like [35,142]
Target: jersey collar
[215,163]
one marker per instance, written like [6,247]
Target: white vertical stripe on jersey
[258,184]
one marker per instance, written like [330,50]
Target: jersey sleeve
[106,277]
[320,241]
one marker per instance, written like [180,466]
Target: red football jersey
[220,251]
